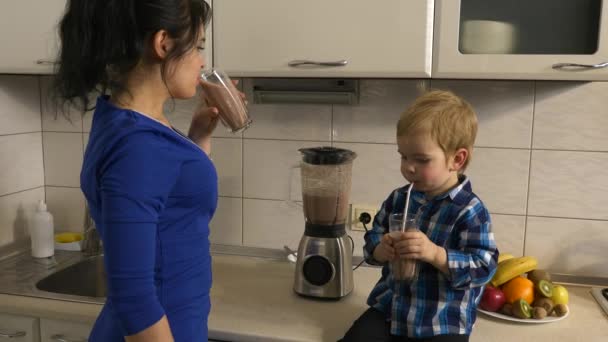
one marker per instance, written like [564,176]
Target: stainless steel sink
[84,278]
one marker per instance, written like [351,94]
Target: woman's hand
[204,121]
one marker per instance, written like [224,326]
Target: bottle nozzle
[41,205]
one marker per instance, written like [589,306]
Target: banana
[511,268]
[504,256]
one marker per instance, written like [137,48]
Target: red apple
[493,299]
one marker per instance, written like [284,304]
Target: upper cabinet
[30,40]
[521,39]
[29,35]
[467,39]
[209,42]
[320,38]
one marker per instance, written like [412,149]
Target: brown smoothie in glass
[232,110]
[403,269]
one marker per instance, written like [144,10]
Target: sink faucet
[91,243]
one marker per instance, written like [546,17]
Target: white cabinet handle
[45,62]
[576,66]
[303,62]
[62,338]
[7,334]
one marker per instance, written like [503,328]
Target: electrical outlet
[356,210]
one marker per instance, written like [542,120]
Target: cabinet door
[521,39]
[29,35]
[64,331]
[18,328]
[209,41]
[391,38]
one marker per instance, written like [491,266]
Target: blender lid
[326,155]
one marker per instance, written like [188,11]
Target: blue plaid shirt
[436,304]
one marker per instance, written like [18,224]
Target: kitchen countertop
[253,300]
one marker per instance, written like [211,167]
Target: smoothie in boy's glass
[403,269]
[222,94]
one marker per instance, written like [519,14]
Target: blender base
[324,267]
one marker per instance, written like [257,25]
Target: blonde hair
[450,120]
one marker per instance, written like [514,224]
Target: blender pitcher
[326,181]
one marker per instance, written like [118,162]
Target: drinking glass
[222,94]
[404,269]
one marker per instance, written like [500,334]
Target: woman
[151,190]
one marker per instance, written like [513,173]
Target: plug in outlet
[355,212]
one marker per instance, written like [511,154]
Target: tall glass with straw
[404,269]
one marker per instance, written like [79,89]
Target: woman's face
[184,73]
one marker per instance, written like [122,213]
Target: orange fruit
[519,288]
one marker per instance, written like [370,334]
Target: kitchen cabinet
[521,39]
[52,330]
[32,329]
[29,35]
[338,38]
[30,40]
[209,41]
[19,328]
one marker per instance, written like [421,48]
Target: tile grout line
[82,135]
[392,144]
[63,132]
[21,191]
[62,186]
[530,164]
[507,214]
[242,138]
[565,150]
[331,126]
[21,133]
[569,218]
[493,213]
[227,196]
[242,190]
[42,135]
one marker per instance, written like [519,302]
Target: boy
[454,248]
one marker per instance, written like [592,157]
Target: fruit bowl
[548,319]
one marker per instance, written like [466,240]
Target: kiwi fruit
[544,288]
[539,312]
[521,309]
[560,310]
[545,303]
[507,309]
[536,275]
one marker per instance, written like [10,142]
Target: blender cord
[351,239]
[352,242]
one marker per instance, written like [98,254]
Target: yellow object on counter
[68,237]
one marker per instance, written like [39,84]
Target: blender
[324,262]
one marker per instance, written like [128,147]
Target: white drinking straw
[407,204]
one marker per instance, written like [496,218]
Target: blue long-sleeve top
[152,193]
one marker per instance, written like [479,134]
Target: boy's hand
[416,245]
[384,251]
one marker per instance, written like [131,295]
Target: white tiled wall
[64,143]
[21,161]
[540,144]
[539,163]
